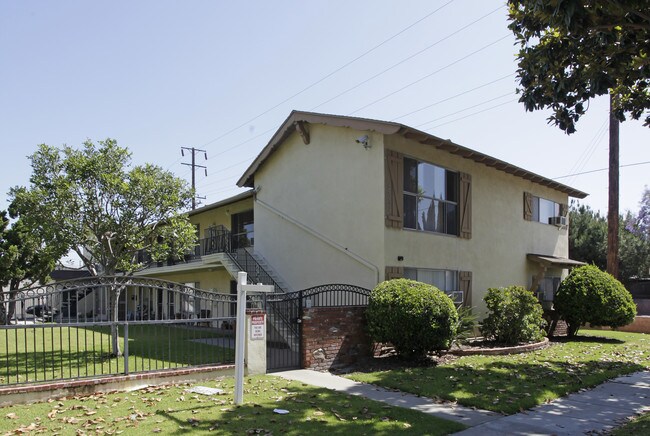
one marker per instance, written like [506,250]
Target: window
[547,288]
[545,210]
[243,229]
[430,198]
[445,280]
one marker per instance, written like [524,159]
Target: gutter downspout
[322,237]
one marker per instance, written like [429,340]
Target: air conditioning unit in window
[557,220]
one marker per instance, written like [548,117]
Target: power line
[465,109]
[471,115]
[327,76]
[452,97]
[601,169]
[430,74]
[212,182]
[412,83]
[591,149]
[406,59]
[351,62]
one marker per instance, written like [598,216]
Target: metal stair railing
[257,274]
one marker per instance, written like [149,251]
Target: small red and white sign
[257,327]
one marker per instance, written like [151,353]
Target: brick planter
[500,351]
[334,337]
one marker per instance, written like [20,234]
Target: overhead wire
[601,169]
[588,152]
[464,109]
[327,76]
[430,74]
[452,97]
[384,71]
[376,101]
[470,115]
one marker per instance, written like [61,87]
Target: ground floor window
[445,280]
[547,288]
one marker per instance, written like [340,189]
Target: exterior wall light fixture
[365,141]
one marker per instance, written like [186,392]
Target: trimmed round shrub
[594,296]
[415,317]
[514,316]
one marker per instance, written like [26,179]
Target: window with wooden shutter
[564,209]
[394,181]
[465,286]
[465,206]
[528,206]
[394,272]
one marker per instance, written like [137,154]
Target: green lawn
[50,353]
[512,383]
[637,427]
[172,410]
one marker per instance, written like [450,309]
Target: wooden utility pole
[194,166]
[612,210]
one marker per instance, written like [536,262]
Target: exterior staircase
[257,268]
[281,329]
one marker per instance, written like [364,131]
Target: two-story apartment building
[336,199]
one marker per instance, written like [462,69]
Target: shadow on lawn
[588,339]
[503,386]
[509,383]
[311,411]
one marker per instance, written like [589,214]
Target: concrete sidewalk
[450,411]
[589,411]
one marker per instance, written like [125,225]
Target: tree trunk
[612,211]
[114,302]
[3,312]
[13,290]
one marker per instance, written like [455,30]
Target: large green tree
[574,50]
[94,202]
[587,236]
[26,259]
[635,240]
[588,241]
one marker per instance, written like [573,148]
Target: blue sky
[222,76]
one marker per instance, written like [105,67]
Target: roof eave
[289,125]
[390,128]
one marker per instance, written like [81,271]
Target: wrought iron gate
[283,318]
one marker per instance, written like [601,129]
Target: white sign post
[240,341]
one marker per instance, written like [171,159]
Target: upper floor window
[544,211]
[430,197]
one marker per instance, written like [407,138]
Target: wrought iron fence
[68,329]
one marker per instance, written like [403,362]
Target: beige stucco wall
[323,201]
[216,278]
[334,187]
[501,238]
